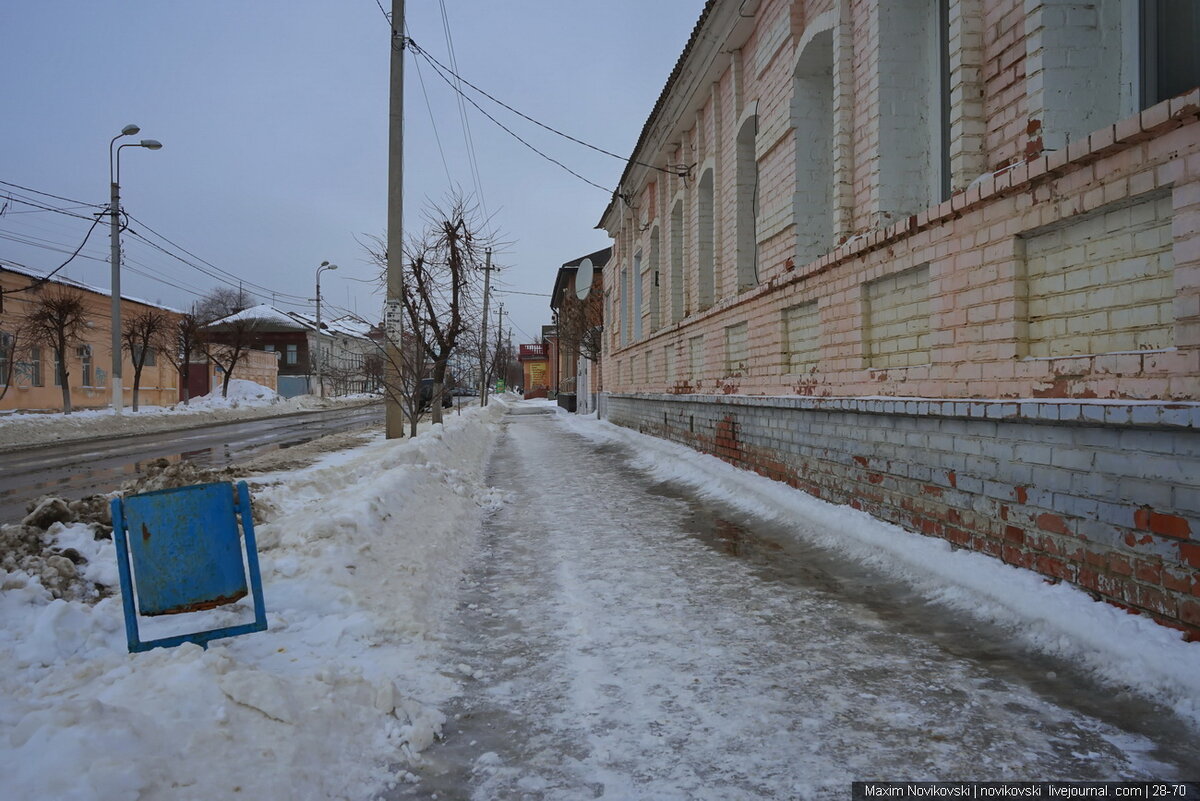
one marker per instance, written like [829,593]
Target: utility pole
[487,284]
[393,313]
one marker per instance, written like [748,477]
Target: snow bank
[241,393]
[360,560]
[1060,619]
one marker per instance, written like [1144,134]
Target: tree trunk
[64,375]
[137,382]
[439,380]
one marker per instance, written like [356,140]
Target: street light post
[320,382]
[114,212]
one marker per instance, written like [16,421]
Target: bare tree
[440,284]
[225,334]
[221,302]
[180,345]
[143,335]
[56,320]
[9,342]
[227,343]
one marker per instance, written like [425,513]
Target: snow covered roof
[86,287]
[297,321]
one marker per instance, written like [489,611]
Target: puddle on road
[776,555]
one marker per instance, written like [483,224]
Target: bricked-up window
[632,376]
[911,40]
[801,337]
[896,319]
[652,269]
[746,175]
[668,366]
[677,262]
[1104,282]
[737,351]
[705,243]
[1170,49]
[812,115]
[1074,63]
[696,359]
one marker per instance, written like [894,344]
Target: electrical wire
[668,169]
[433,122]
[44,279]
[462,113]
[56,197]
[502,126]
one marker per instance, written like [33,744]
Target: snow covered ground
[1127,650]
[246,399]
[359,555]
[647,622]
[362,556]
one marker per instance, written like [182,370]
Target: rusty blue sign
[181,550]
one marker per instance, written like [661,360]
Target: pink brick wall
[971,243]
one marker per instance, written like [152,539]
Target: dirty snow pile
[361,555]
[246,399]
[1123,650]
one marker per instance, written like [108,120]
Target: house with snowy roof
[340,351]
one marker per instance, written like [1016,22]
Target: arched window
[655,295]
[747,205]
[705,245]
[812,114]
[677,262]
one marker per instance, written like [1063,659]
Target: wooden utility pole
[393,313]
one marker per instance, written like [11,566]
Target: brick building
[293,338]
[936,259]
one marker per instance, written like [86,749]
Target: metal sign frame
[198,564]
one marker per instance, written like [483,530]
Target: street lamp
[114,212]
[324,266]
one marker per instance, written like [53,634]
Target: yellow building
[28,371]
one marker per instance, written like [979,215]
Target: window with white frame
[85,366]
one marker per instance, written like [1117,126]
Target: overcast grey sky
[273,117]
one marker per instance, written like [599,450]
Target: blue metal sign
[186,552]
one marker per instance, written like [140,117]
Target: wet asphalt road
[76,469]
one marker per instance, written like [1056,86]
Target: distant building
[28,371]
[345,346]
[938,260]
[580,326]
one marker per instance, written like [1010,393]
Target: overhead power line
[501,125]
[673,170]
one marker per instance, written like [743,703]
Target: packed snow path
[620,639]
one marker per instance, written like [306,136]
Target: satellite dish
[583,279]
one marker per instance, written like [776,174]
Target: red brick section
[1133,578]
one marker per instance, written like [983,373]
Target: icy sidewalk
[625,638]
[361,556]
